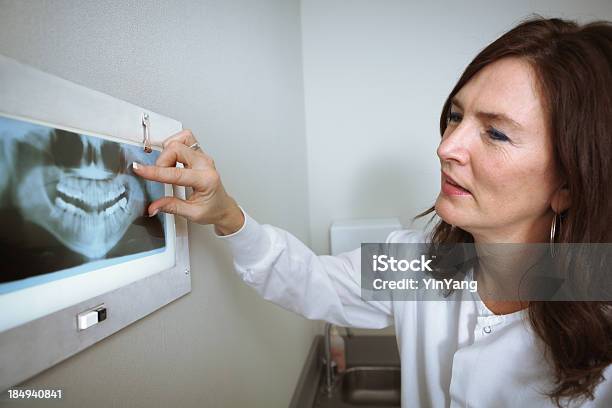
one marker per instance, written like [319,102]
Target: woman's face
[498,148]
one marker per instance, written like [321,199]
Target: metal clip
[146,142]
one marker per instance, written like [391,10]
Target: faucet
[329,370]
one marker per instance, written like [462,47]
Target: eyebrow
[500,117]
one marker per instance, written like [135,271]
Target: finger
[169,175]
[177,152]
[172,205]
[185,137]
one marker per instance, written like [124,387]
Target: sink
[372,379]
[375,386]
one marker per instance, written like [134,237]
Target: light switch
[91,317]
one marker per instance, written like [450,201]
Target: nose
[454,145]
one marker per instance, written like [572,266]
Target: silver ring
[195,146]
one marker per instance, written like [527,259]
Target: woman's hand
[209,203]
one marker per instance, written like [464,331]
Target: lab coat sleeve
[286,272]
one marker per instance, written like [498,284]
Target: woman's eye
[454,117]
[497,135]
[494,134]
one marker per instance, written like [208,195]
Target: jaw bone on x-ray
[68,199]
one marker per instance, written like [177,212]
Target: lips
[451,187]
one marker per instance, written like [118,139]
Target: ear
[561,199]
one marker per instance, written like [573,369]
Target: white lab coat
[453,353]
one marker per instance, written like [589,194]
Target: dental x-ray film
[70,202]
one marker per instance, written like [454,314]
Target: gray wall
[232,72]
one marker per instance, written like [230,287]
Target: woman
[524,155]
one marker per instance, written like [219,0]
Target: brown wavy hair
[573,66]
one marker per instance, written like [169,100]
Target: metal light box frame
[34,346]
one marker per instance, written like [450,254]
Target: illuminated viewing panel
[70,205]
[80,257]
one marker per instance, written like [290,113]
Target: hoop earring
[553,230]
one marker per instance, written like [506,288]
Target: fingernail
[154,213]
[135,165]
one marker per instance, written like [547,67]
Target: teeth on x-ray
[68,199]
[101,196]
[87,206]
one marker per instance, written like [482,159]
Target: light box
[80,258]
